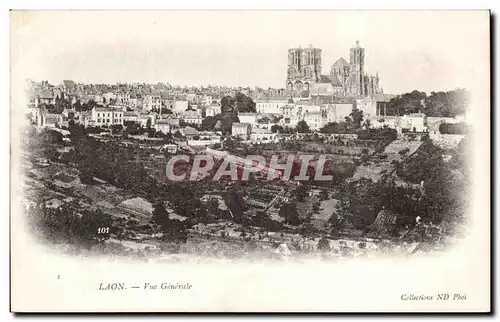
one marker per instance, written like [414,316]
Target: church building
[345,78]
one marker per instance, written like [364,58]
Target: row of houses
[252,133]
[147,102]
[316,115]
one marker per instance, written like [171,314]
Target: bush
[404,151]
[324,245]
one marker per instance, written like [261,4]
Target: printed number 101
[103,230]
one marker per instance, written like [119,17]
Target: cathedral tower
[304,68]
[357,62]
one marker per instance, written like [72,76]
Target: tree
[300,193]
[323,195]
[176,231]
[133,128]
[173,230]
[426,160]
[244,104]
[51,137]
[209,122]
[404,152]
[151,132]
[235,205]
[277,128]
[302,127]
[66,225]
[227,122]
[78,105]
[86,176]
[290,213]
[334,220]
[385,134]
[447,104]
[51,153]
[213,207]
[406,103]
[354,119]
[116,128]
[451,128]
[94,227]
[227,105]
[160,215]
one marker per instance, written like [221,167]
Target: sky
[423,50]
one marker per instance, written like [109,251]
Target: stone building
[352,75]
[304,68]
[241,130]
[345,78]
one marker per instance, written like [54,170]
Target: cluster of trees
[289,212]
[336,128]
[351,124]
[239,103]
[385,134]
[162,111]
[282,129]
[44,144]
[230,106]
[354,119]
[440,197]
[119,166]
[368,198]
[61,103]
[261,219]
[437,104]
[87,106]
[67,225]
[173,230]
[225,120]
[133,128]
[447,186]
[420,167]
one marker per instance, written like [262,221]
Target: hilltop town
[95,155]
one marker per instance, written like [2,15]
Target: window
[98,114]
[107,121]
[98,120]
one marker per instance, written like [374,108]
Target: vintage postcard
[250,161]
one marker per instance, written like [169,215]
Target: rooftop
[273,98]
[340,63]
[241,125]
[257,130]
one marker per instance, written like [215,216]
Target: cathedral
[345,78]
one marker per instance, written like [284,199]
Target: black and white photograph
[294,150]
